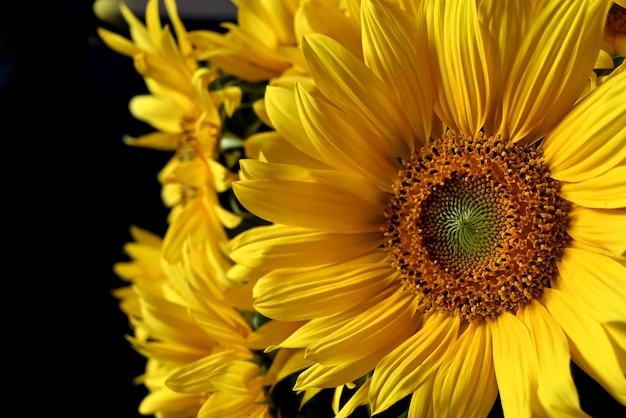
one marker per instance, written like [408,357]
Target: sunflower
[188,117]
[265,42]
[186,319]
[452,223]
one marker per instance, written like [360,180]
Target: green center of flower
[475,225]
[460,222]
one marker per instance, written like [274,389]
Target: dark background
[72,189]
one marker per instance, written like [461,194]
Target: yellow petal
[392,43]
[195,376]
[319,376]
[272,333]
[179,28]
[285,363]
[223,324]
[309,205]
[319,328]
[157,140]
[138,31]
[224,405]
[386,324]
[351,183]
[465,384]
[595,281]
[318,16]
[607,191]
[515,364]
[233,377]
[552,67]
[422,401]
[168,320]
[590,347]
[465,89]
[355,89]
[555,386]
[414,362]
[297,294]
[157,112]
[118,43]
[279,246]
[273,147]
[617,334]
[600,228]
[167,401]
[359,398]
[282,109]
[346,144]
[591,139]
[507,22]
[198,221]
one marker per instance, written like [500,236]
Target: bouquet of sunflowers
[405,208]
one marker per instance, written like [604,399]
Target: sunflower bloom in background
[189,119]
[264,44]
[449,218]
[187,322]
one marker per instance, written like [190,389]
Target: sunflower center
[475,225]
[460,222]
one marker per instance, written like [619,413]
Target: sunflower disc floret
[475,225]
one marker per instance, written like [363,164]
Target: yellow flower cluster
[407,208]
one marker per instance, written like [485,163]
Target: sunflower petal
[555,386]
[414,362]
[596,281]
[590,347]
[465,384]
[279,246]
[314,203]
[306,293]
[157,140]
[465,90]
[552,67]
[422,401]
[515,365]
[359,398]
[344,143]
[506,24]
[280,103]
[600,228]
[591,139]
[355,89]
[320,376]
[273,147]
[387,323]
[392,43]
[157,112]
[607,191]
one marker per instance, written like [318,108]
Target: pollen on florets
[475,225]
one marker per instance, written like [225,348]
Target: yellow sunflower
[452,222]
[188,118]
[265,42]
[186,321]
[614,41]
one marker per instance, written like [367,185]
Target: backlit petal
[590,347]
